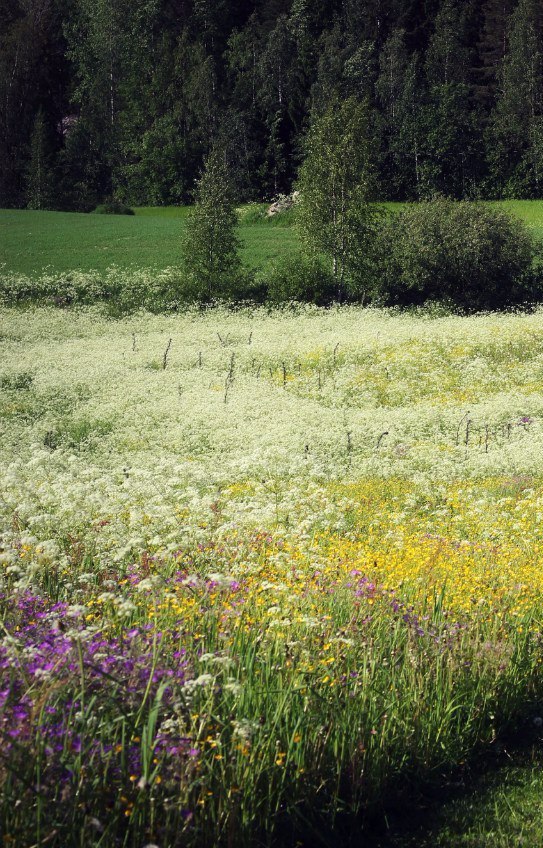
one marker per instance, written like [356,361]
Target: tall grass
[238,731]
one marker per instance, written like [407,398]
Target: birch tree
[335,218]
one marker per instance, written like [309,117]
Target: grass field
[263,572]
[498,807]
[60,241]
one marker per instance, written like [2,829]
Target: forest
[125,100]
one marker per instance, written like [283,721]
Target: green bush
[469,255]
[119,291]
[257,213]
[112,206]
[298,278]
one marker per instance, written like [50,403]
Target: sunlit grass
[60,241]
[495,805]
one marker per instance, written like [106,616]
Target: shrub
[121,291]
[113,206]
[257,213]
[19,381]
[253,213]
[298,278]
[78,433]
[470,255]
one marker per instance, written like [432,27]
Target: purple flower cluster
[443,632]
[76,700]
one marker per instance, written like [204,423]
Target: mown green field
[500,807]
[62,241]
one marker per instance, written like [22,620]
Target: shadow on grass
[494,801]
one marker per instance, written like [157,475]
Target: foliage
[334,215]
[298,278]
[129,263]
[120,291]
[469,255]
[133,97]
[113,206]
[515,134]
[210,243]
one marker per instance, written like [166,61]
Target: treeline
[125,98]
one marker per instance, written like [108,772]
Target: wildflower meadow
[260,569]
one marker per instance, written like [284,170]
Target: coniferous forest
[125,99]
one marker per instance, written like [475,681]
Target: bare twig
[380,439]
[229,378]
[459,427]
[349,448]
[165,357]
[231,368]
[227,385]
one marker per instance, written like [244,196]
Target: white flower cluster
[118,442]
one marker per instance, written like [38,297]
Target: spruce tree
[451,163]
[39,178]
[491,48]
[211,247]
[400,110]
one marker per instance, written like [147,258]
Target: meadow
[261,571]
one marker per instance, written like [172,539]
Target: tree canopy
[127,99]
